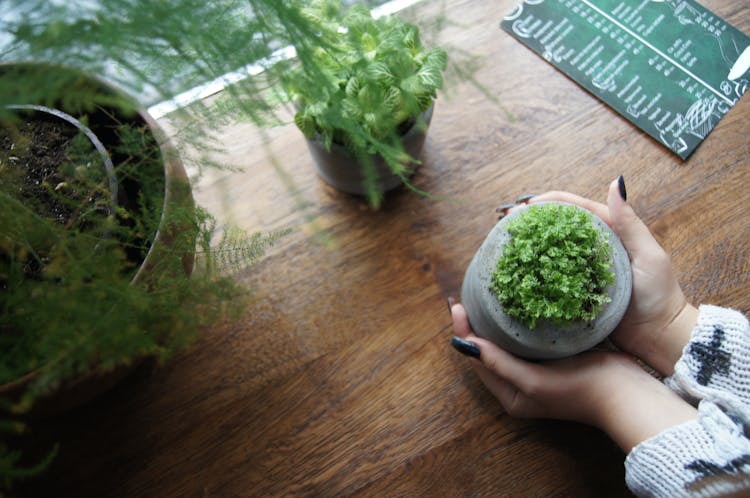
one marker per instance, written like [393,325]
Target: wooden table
[340,378]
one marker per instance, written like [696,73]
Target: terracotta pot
[340,169]
[546,341]
[177,193]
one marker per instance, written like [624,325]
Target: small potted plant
[98,233]
[98,236]
[549,281]
[365,94]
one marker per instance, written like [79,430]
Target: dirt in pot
[48,163]
[67,251]
[54,169]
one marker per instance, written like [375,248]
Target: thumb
[634,234]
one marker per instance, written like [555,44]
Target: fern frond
[237,250]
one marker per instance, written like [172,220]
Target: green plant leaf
[305,123]
[430,77]
[555,267]
[379,71]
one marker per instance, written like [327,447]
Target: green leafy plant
[84,289]
[365,84]
[11,466]
[555,267]
[68,300]
[68,306]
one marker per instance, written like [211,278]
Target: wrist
[674,337]
[640,407]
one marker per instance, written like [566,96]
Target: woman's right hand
[659,320]
[600,388]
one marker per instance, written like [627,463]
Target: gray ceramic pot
[546,341]
[340,168]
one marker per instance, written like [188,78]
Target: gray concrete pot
[340,169]
[546,341]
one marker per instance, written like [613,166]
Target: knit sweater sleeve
[708,456]
[715,364]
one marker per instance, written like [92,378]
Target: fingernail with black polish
[465,347]
[525,198]
[504,208]
[621,185]
[451,302]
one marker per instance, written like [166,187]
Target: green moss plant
[555,267]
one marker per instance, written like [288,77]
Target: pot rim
[413,130]
[174,175]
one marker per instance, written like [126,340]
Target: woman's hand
[659,320]
[606,390]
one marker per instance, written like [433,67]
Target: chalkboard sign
[671,67]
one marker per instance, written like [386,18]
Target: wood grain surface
[339,379]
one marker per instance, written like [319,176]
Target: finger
[597,208]
[634,234]
[500,373]
[461,326]
[514,402]
[505,208]
[522,374]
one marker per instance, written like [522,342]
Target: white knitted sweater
[709,456]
